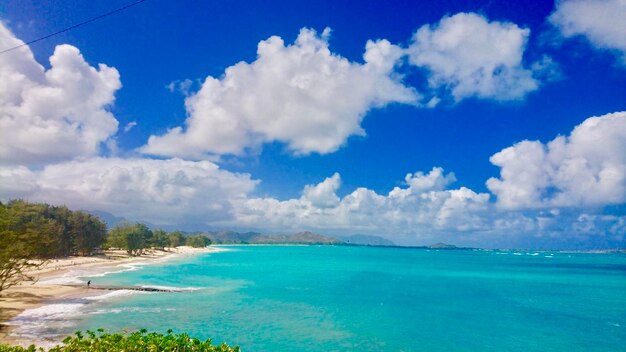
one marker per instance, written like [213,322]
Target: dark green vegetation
[42,231]
[139,341]
[45,231]
[136,238]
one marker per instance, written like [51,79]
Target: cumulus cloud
[311,100]
[159,191]
[175,191]
[420,208]
[472,57]
[600,21]
[324,194]
[55,114]
[424,210]
[302,95]
[586,168]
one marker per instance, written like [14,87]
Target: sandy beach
[55,276]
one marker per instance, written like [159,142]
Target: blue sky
[529,71]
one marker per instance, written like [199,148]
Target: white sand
[51,277]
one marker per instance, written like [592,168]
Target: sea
[348,298]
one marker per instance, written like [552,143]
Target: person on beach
[88,283]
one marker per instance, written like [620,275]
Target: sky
[478,123]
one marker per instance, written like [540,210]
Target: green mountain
[232,237]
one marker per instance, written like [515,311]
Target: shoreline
[54,279]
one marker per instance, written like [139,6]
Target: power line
[74,26]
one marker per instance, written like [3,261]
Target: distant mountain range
[231,237]
[305,237]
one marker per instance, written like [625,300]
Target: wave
[171,288]
[45,323]
[115,294]
[131,310]
[52,321]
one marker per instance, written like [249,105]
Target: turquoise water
[318,298]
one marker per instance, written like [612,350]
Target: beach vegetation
[45,231]
[15,266]
[31,233]
[138,341]
[160,239]
[198,241]
[134,238]
[176,239]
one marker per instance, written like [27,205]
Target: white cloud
[472,57]
[588,168]
[55,114]
[177,191]
[184,86]
[602,22]
[129,126]
[421,208]
[312,100]
[159,191]
[302,95]
[424,210]
[324,194]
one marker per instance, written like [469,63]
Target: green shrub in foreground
[139,341]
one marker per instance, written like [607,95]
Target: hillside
[306,237]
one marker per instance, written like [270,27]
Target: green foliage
[176,239]
[160,239]
[139,341]
[198,241]
[45,231]
[14,266]
[40,231]
[134,238]
[87,232]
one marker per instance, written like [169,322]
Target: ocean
[339,298]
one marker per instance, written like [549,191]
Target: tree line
[39,230]
[42,231]
[136,238]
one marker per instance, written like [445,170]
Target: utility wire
[74,26]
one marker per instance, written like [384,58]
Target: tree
[52,231]
[134,238]
[33,232]
[14,269]
[160,239]
[35,229]
[176,239]
[198,241]
[15,265]
[87,232]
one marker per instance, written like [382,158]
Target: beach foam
[115,294]
[171,288]
[131,310]
[44,324]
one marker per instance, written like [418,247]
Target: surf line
[119,288]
